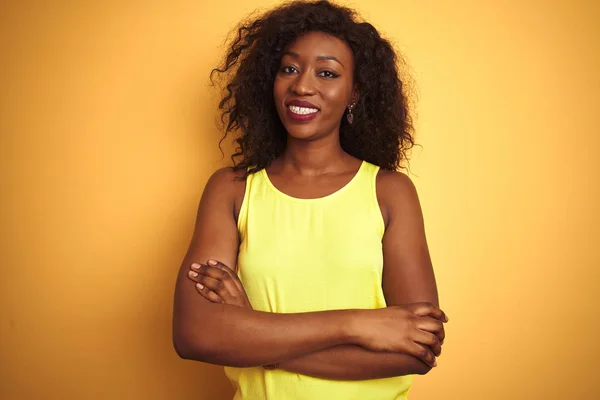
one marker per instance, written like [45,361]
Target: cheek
[337,98]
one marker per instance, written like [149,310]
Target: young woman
[308,274]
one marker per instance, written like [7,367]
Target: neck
[314,157]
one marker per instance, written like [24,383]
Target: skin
[219,325]
[317,68]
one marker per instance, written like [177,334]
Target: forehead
[314,44]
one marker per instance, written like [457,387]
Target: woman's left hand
[219,284]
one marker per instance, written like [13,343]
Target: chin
[302,132]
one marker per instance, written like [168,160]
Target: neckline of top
[312,199]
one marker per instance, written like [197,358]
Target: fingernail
[195,266]
[435,363]
[193,274]
[212,262]
[200,286]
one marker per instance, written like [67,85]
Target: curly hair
[382,132]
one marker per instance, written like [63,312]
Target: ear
[355,95]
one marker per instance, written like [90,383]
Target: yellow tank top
[299,255]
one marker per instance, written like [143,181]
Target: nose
[303,85]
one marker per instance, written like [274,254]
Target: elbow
[206,347]
[193,348]
[211,353]
[182,350]
[187,346]
[183,346]
[187,349]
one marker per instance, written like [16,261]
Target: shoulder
[228,185]
[226,178]
[395,183]
[396,193]
[225,183]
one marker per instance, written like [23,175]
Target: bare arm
[408,278]
[228,335]
[348,362]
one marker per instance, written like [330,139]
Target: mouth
[301,112]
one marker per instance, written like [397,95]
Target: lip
[300,117]
[301,103]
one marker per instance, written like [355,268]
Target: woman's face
[314,85]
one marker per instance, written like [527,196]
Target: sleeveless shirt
[301,255]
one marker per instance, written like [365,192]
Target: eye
[328,74]
[288,69]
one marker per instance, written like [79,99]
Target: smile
[302,110]
[301,114]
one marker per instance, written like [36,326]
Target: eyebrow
[319,58]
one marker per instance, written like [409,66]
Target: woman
[308,275]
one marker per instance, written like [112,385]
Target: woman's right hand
[416,329]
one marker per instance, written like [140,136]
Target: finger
[193,275]
[423,309]
[432,325]
[208,294]
[430,340]
[226,273]
[232,274]
[219,281]
[423,353]
[223,288]
[207,270]
[212,272]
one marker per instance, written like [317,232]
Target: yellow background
[108,137]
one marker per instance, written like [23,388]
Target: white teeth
[302,110]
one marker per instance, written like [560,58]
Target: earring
[349,116]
